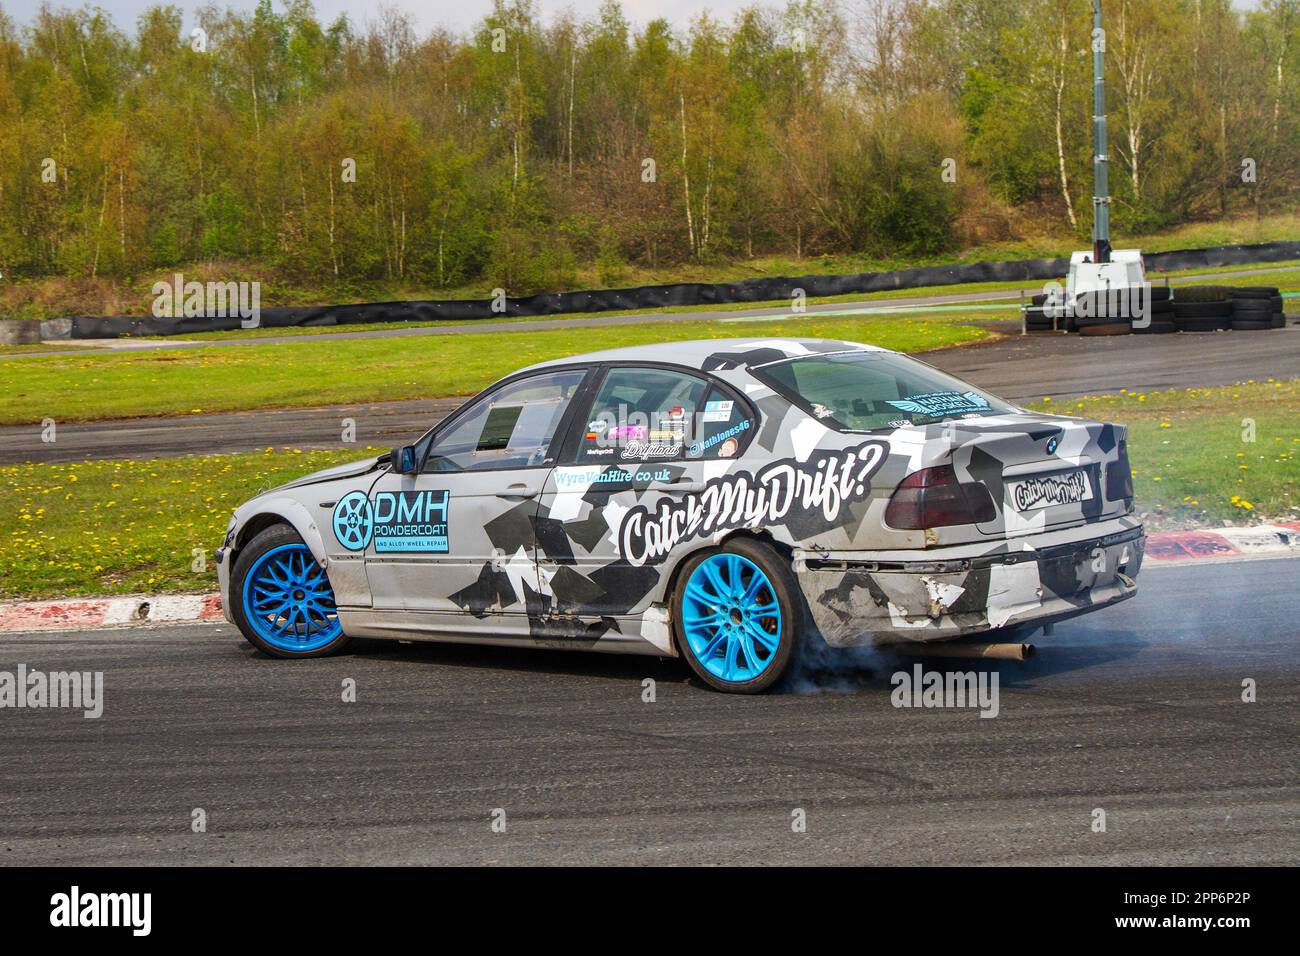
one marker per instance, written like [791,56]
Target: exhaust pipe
[999,652]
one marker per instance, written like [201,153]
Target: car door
[650,432]
[453,543]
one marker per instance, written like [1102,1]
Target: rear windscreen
[868,391]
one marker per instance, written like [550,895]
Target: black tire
[1157,327]
[1252,307]
[1160,293]
[1251,325]
[264,541]
[1253,292]
[1274,304]
[785,589]
[1278,320]
[1201,325]
[1201,293]
[1202,310]
[1036,320]
[1111,328]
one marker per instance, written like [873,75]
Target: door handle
[681,487]
[520,489]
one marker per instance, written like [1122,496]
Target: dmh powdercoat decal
[406,521]
[826,482]
[411,521]
[353,521]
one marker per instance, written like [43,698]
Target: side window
[513,427]
[642,414]
[723,429]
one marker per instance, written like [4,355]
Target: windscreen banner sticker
[826,482]
[396,522]
[938,404]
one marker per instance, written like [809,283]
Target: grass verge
[281,375]
[1207,456]
[129,527]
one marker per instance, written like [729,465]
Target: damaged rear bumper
[861,597]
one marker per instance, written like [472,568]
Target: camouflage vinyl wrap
[572,555]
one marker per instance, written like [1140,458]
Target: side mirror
[402,460]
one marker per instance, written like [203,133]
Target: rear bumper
[937,595]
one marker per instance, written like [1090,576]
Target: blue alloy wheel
[731,617]
[288,600]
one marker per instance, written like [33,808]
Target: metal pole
[1101,185]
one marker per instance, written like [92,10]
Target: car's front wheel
[736,613]
[282,599]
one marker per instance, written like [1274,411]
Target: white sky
[460,15]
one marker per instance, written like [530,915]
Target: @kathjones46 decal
[826,482]
[395,521]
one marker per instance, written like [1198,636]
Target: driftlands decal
[826,482]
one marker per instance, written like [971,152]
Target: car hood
[350,470]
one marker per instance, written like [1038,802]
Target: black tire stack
[1162,313]
[1202,308]
[1255,308]
[1039,319]
[1193,308]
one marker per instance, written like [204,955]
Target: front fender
[296,514]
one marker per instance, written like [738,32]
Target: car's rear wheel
[736,614]
[282,599]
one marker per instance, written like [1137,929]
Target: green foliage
[526,151]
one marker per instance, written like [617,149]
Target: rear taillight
[934,498]
[1119,477]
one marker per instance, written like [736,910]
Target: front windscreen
[869,391]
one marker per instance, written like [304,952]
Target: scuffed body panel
[946,594]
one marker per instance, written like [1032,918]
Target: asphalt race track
[1018,368]
[1135,710]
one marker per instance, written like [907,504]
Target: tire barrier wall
[1192,308]
[653,297]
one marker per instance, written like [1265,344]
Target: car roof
[714,353]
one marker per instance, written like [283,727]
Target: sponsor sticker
[653,448]
[826,484]
[596,478]
[700,447]
[408,521]
[936,404]
[717,411]
[1044,491]
[395,522]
